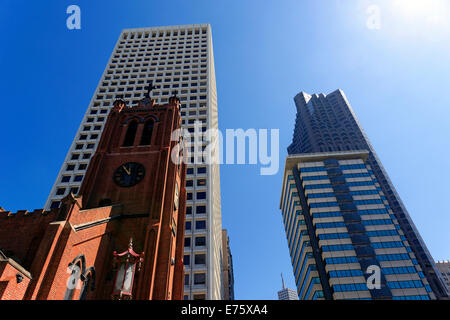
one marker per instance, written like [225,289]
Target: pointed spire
[282,281]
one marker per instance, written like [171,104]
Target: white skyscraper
[286,293]
[175,58]
[444,268]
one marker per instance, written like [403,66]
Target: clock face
[129,174]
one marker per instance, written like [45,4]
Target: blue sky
[396,78]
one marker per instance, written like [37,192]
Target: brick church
[122,236]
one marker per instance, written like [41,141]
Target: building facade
[444,268]
[327,124]
[122,236]
[174,58]
[228,273]
[340,228]
[286,293]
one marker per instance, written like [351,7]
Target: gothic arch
[152,117]
[88,279]
[78,267]
[130,134]
[137,118]
[147,133]
[82,259]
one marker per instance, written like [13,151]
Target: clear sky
[393,63]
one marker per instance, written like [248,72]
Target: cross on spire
[149,88]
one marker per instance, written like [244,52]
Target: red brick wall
[9,288]
[22,232]
[47,247]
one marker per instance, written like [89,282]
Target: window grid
[174,60]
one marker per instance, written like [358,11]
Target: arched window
[147,133]
[88,283]
[131,134]
[77,268]
[72,282]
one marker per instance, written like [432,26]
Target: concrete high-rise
[228,272]
[286,293]
[175,58]
[328,146]
[444,268]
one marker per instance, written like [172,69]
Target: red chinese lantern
[126,264]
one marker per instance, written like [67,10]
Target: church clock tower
[132,169]
[122,237]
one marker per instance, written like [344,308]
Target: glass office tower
[326,124]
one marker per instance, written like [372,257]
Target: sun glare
[433,11]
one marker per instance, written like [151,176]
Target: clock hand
[126,170]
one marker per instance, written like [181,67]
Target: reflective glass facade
[339,231]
